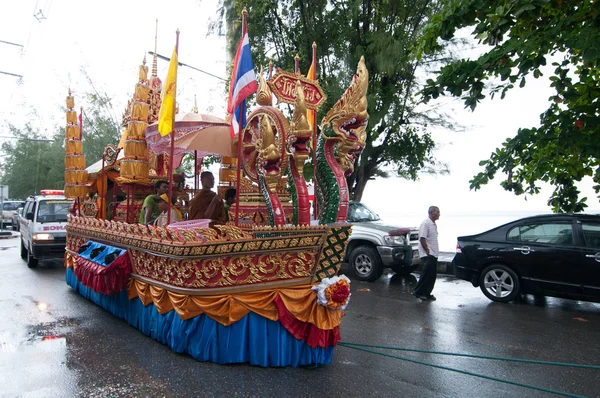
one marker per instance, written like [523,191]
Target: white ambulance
[43,226]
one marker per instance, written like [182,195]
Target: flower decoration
[334,292]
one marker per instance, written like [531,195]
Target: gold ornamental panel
[139,111]
[72,132]
[224,271]
[74,147]
[74,162]
[136,148]
[135,129]
[71,117]
[76,176]
[141,93]
[131,168]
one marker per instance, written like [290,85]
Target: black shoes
[423,297]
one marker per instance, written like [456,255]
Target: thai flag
[243,82]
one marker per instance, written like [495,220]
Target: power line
[189,66]
[26,139]
[11,74]
[12,44]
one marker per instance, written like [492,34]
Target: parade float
[268,295]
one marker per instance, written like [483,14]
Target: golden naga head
[264,97]
[348,119]
[269,156]
[300,130]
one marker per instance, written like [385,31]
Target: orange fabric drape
[301,302]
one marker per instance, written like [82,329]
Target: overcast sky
[109,39]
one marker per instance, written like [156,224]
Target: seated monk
[207,204]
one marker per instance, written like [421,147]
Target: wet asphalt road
[55,343]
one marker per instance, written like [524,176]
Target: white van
[43,226]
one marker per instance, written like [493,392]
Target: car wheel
[23,251]
[366,263]
[404,271]
[499,283]
[31,261]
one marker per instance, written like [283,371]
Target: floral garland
[334,292]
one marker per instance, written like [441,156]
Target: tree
[523,35]
[386,33]
[31,163]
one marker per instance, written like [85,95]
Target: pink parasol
[205,134]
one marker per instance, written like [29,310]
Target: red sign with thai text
[283,85]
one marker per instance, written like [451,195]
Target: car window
[551,233]
[591,234]
[27,208]
[12,206]
[53,210]
[358,212]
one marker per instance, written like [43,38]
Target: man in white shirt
[428,252]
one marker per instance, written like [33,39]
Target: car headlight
[394,240]
[43,237]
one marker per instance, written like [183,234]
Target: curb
[8,235]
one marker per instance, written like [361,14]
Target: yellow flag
[166,116]
[312,74]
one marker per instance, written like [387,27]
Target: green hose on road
[364,347]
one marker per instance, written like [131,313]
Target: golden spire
[155,58]
[244,11]
[195,105]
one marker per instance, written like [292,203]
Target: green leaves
[386,33]
[521,34]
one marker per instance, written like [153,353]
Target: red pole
[172,144]
[239,173]
[239,149]
[195,172]
[315,209]
[101,197]
[128,203]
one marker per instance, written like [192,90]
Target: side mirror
[29,216]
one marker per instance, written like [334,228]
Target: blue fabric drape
[253,339]
[105,251]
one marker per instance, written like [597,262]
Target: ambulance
[43,226]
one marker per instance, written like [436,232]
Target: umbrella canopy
[205,134]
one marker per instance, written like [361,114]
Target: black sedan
[552,255]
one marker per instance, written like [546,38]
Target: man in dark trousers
[428,252]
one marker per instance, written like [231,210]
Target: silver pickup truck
[373,245]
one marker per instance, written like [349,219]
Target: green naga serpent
[341,141]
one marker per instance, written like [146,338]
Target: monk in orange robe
[207,204]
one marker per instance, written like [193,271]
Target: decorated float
[242,292]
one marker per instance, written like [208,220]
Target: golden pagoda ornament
[75,174]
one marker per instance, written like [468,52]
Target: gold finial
[244,11]
[155,57]
[144,60]
[297,57]
[69,91]
[264,97]
[314,45]
[195,105]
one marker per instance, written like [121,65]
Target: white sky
[109,38]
